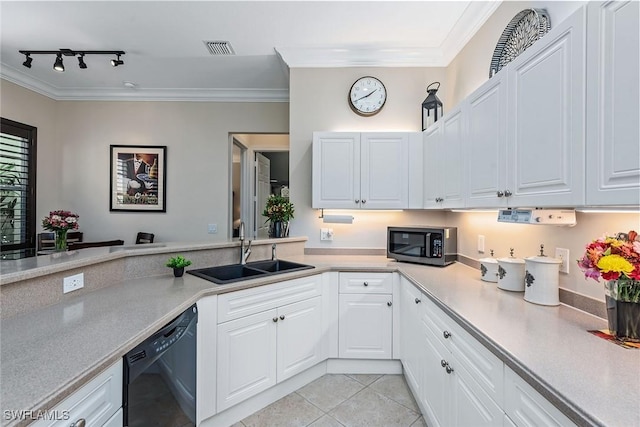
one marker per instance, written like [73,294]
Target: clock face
[367,96]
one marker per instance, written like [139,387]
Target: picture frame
[138,178]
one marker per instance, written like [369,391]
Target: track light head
[81,62]
[27,61]
[116,62]
[58,65]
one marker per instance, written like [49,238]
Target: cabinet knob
[449,369]
[366,283]
[357,200]
[507,193]
[417,301]
[443,363]
[80,423]
[275,319]
[282,317]
[364,201]
[446,334]
[500,193]
[389,304]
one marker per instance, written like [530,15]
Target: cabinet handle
[500,193]
[507,193]
[282,317]
[357,200]
[364,201]
[446,334]
[275,319]
[449,369]
[366,283]
[418,301]
[389,304]
[443,363]
[80,423]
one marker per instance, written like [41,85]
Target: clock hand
[369,94]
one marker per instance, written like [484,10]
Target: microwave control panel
[538,216]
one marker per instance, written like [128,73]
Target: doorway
[259,168]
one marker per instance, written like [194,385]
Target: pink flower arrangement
[612,258]
[60,220]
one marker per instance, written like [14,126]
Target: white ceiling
[167,59]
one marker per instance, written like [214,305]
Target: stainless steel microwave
[423,244]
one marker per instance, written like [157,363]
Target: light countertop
[50,352]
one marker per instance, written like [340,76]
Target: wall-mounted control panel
[538,216]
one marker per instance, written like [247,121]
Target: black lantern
[431,106]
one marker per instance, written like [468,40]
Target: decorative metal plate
[523,31]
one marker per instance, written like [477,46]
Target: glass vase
[61,240]
[623,308]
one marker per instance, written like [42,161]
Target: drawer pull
[418,301]
[366,283]
[275,319]
[389,304]
[282,317]
[80,423]
[446,334]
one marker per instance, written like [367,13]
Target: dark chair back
[74,237]
[47,240]
[144,238]
[83,245]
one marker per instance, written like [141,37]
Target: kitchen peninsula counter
[48,353]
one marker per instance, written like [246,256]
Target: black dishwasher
[159,386]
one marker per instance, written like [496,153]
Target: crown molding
[142,94]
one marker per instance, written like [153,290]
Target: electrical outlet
[563,254]
[326,234]
[480,243]
[212,229]
[73,283]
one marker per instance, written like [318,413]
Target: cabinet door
[410,309]
[365,326]
[436,383]
[299,337]
[432,158]
[486,144]
[246,357]
[613,129]
[546,119]
[470,404]
[452,162]
[384,175]
[336,170]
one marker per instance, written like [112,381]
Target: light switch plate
[326,234]
[73,283]
[212,228]
[480,243]
[563,254]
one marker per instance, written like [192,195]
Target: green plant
[278,208]
[178,261]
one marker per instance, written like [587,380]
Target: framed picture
[138,178]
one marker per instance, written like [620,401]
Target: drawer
[251,301]
[366,283]
[96,402]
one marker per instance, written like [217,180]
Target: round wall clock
[367,96]
[524,30]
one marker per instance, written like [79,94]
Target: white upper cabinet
[486,145]
[545,155]
[432,174]
[361,170]
[613,94]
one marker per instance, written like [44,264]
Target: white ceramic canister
[511,273]
[542,276]
[489,269]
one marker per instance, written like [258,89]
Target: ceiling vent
[219,47]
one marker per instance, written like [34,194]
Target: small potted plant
[178,263]
[278,210]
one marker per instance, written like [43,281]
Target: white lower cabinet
[365,316]
[410,305]
[526,407]
[98,402]
[257,351]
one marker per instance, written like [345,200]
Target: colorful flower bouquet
[60,222]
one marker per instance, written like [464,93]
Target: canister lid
[510,260]
[544,260]
[488,261]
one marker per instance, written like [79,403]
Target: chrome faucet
[273,252]
[244,253]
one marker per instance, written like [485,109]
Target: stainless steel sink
[236,272]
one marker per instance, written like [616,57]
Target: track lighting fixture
[58,64]
[81,63]
[116,62]
[27,61]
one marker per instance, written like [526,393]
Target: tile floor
[333,400]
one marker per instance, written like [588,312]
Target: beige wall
[73,158]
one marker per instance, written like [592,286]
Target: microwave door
[407,244]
